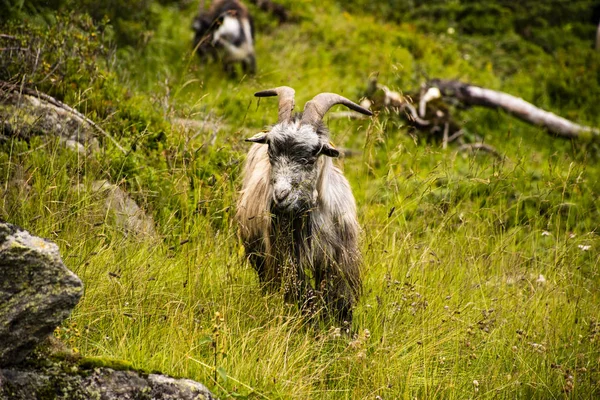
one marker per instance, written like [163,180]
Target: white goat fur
[331,253]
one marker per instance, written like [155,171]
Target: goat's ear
[260,137]
[329,151]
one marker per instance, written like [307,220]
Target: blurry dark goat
[296,211]
[226,32]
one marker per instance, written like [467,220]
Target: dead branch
[475,147]
[412,114]
[59,104]
[478,96]
[456,135]
[445,139]
[598,38]
[381,97]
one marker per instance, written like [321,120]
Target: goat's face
[294,152]
[295,145]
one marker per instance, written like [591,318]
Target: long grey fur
[297,215]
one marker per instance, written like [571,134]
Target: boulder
[25,115]
[98,383]
[37,292]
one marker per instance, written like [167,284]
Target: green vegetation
[481,276]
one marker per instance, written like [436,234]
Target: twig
[445,137]
[413,114]
[456,135]
[473,147]
[59,104]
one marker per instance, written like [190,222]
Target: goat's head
[295,145]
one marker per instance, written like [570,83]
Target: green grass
[479,281]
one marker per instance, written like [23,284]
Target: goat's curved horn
[286,100]
[315,109]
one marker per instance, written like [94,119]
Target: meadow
[481,274]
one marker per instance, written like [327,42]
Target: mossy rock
[37,292]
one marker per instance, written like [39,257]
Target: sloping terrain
[481,273]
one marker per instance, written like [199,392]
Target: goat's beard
[291,232]
[297,209]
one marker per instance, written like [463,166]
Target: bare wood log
[478,96]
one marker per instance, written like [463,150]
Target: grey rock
[99,383]
[37,292]
[24,116]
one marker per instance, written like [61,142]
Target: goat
[226,31]
[296,211]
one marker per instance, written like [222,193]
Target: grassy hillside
[481,275]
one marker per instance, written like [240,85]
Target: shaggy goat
[226,31]
[296,212]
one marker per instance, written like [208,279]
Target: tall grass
[481,275]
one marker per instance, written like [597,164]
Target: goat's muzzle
[289,205]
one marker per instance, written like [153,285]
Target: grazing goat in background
[296,212]
[226,31]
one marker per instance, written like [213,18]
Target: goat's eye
[306,161]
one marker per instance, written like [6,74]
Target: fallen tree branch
[59,104]
[478,96]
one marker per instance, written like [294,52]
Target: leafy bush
[133,21]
